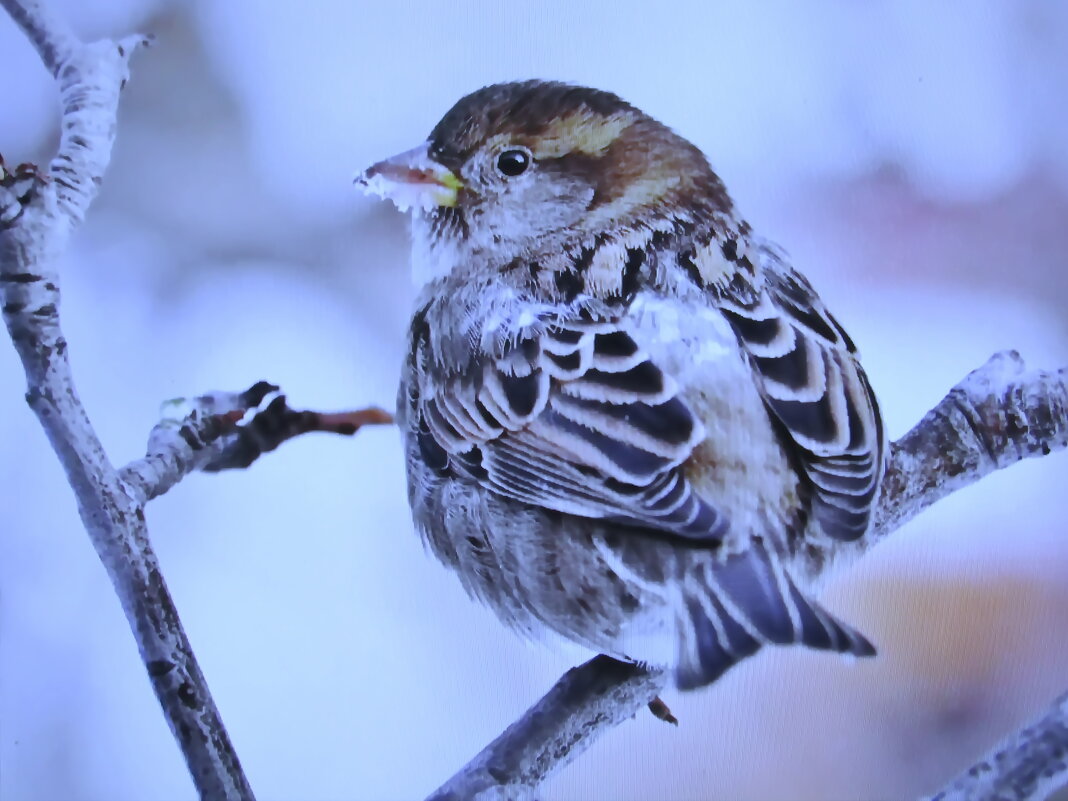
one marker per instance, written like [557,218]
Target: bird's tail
[734,606]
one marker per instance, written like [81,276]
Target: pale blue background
[911,157]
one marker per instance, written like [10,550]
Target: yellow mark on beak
[412,180]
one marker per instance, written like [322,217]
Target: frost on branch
[228,431]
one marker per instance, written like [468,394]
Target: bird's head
[516,168]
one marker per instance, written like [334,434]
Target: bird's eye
[513,162]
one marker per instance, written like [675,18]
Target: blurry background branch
[999,414]
[37,212]
[1026,766]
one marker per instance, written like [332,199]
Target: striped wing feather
[814,387]
[820,398]
[576,419]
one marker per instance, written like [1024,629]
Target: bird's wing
[576,418]
[814,387]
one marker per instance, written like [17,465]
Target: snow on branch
[999,414]
[227,431]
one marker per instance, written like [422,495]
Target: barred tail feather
[731,608]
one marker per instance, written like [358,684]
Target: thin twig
[229,430]
[277,423]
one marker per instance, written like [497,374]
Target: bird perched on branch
[626,417]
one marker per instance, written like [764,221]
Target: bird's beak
[411,179]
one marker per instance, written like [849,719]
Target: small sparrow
[626,418]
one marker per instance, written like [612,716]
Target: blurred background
[909,156]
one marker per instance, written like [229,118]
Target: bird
[627,419]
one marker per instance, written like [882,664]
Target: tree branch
[1029,764]
[999,414]
[228,430]
[37,212]
[586,702]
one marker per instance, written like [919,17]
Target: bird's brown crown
[631,159]
[531,111]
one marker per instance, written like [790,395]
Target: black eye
[513,162]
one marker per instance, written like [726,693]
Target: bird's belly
[539,569]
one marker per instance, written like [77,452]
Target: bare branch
[586,702]
[1026,766]
[49,34]
[229,430]
[998,415]
[37,212]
